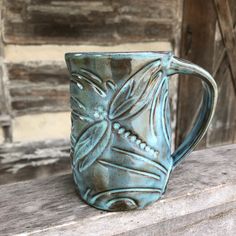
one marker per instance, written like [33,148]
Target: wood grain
[5,109]
[232,6]
[51,206]
[219,220]
[197,45]
[222,129]
[226,23]
[37,87]
[23,161]
[219,51]
[40,86]
[101,22]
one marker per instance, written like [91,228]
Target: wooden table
[200,200]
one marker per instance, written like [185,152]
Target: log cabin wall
[34,86]
[209,40]
[35,34]
[5,119]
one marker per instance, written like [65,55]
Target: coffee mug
[121,131]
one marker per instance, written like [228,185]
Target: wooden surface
[197,45]
[87,22]
[226,23]
[34,84]
[31,160]
[5,119]
[38,87]
[203,44]
[201,193]
[219,220]
[223,127]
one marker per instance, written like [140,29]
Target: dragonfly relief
[129,100]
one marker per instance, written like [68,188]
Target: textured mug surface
[121,130]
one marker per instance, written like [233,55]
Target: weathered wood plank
[89,22]
[23,161]
[232,6]
[39,79]
[5,110]
[219,220]
[222,129]
[51,206]
[226,23]
[219,51]
[2,100]
[38,87]
[198,36]
[3,105]
[31,98]
[51,72]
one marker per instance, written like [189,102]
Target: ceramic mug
[121,129]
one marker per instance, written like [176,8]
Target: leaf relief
[91,144]
[79,110]
[136,92]
[166,119]
[92,79]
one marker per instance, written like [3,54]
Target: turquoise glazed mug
[121,130]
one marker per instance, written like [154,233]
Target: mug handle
[208,104]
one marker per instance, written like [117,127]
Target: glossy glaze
[121,134]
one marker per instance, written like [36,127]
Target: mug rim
[69,55]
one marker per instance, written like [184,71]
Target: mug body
[121,134]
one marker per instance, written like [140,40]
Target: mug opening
[69,55]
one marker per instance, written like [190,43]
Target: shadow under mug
[121,130]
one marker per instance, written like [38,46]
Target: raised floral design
[92,143]
[127,101]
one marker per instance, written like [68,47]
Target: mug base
[120,203]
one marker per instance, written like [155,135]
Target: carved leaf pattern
[163,111]
[135,93]
[79,110]
[129,100]
[153,116]
[166,118]
[92,143]
[93,80]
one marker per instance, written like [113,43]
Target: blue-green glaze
[121,134]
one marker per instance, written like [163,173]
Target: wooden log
[101,22]
[219,51]
[201,198]
[5,110]
[39,98]
[23,161]
[197,45]
[226,23]
[232,6]
[2,100]
[51,72]
[37,87]
[222,129]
